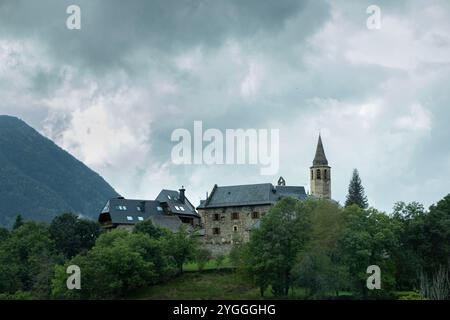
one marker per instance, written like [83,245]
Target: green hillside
[39,180]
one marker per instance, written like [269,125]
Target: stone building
[230,213]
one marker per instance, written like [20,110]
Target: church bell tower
[320,174]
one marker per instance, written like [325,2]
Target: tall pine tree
[356,193]
[18,223]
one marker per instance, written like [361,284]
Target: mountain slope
[39,180]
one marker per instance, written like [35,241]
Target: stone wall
[231,230]
[321,187]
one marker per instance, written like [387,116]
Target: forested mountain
[39,180]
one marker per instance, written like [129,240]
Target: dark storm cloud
[137,70]
[112,29]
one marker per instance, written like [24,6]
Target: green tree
[151,230]
[18,222]
[72,234]
[356,193]
[219,260]
[119,263]
[4,234]
[408,260]
[319,267]
[182,246]
[269,257]
[26,256]
[370,238]
[202,256]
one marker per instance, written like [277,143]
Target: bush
[202,257]
[409,295]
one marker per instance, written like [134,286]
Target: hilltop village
[228,214]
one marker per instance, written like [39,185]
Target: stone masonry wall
[231,231]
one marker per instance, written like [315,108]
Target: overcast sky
[112,93]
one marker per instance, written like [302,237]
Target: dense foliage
[326,249]
[40,180]
[314,246]
[34,258]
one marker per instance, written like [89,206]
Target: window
[176,207]
[235,228]
[139,209]
[140,218]
[158,208]
[216,217]
[121,208]
[325,174]
[312,174]
[255,215]
[235,216]
[169,197]
[181,208]
[216,231]
[318,174]
[129,218]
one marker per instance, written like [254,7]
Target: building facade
[230,213]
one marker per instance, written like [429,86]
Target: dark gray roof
[172,199]
[320,159]
[127,211]
[251,194]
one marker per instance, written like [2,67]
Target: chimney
[182,196]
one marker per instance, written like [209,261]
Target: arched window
[318,174]
[312,174]
[325,174]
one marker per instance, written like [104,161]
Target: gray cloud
[137,71]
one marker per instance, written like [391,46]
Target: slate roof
[172,199]
[320,159]
[251,194]
[120,209]
[164,211]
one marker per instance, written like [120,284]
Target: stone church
[230,213]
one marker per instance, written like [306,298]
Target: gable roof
[251,194]
[172,199]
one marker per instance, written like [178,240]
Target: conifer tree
[356,193]
[18,222]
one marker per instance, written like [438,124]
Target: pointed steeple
[320,159]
